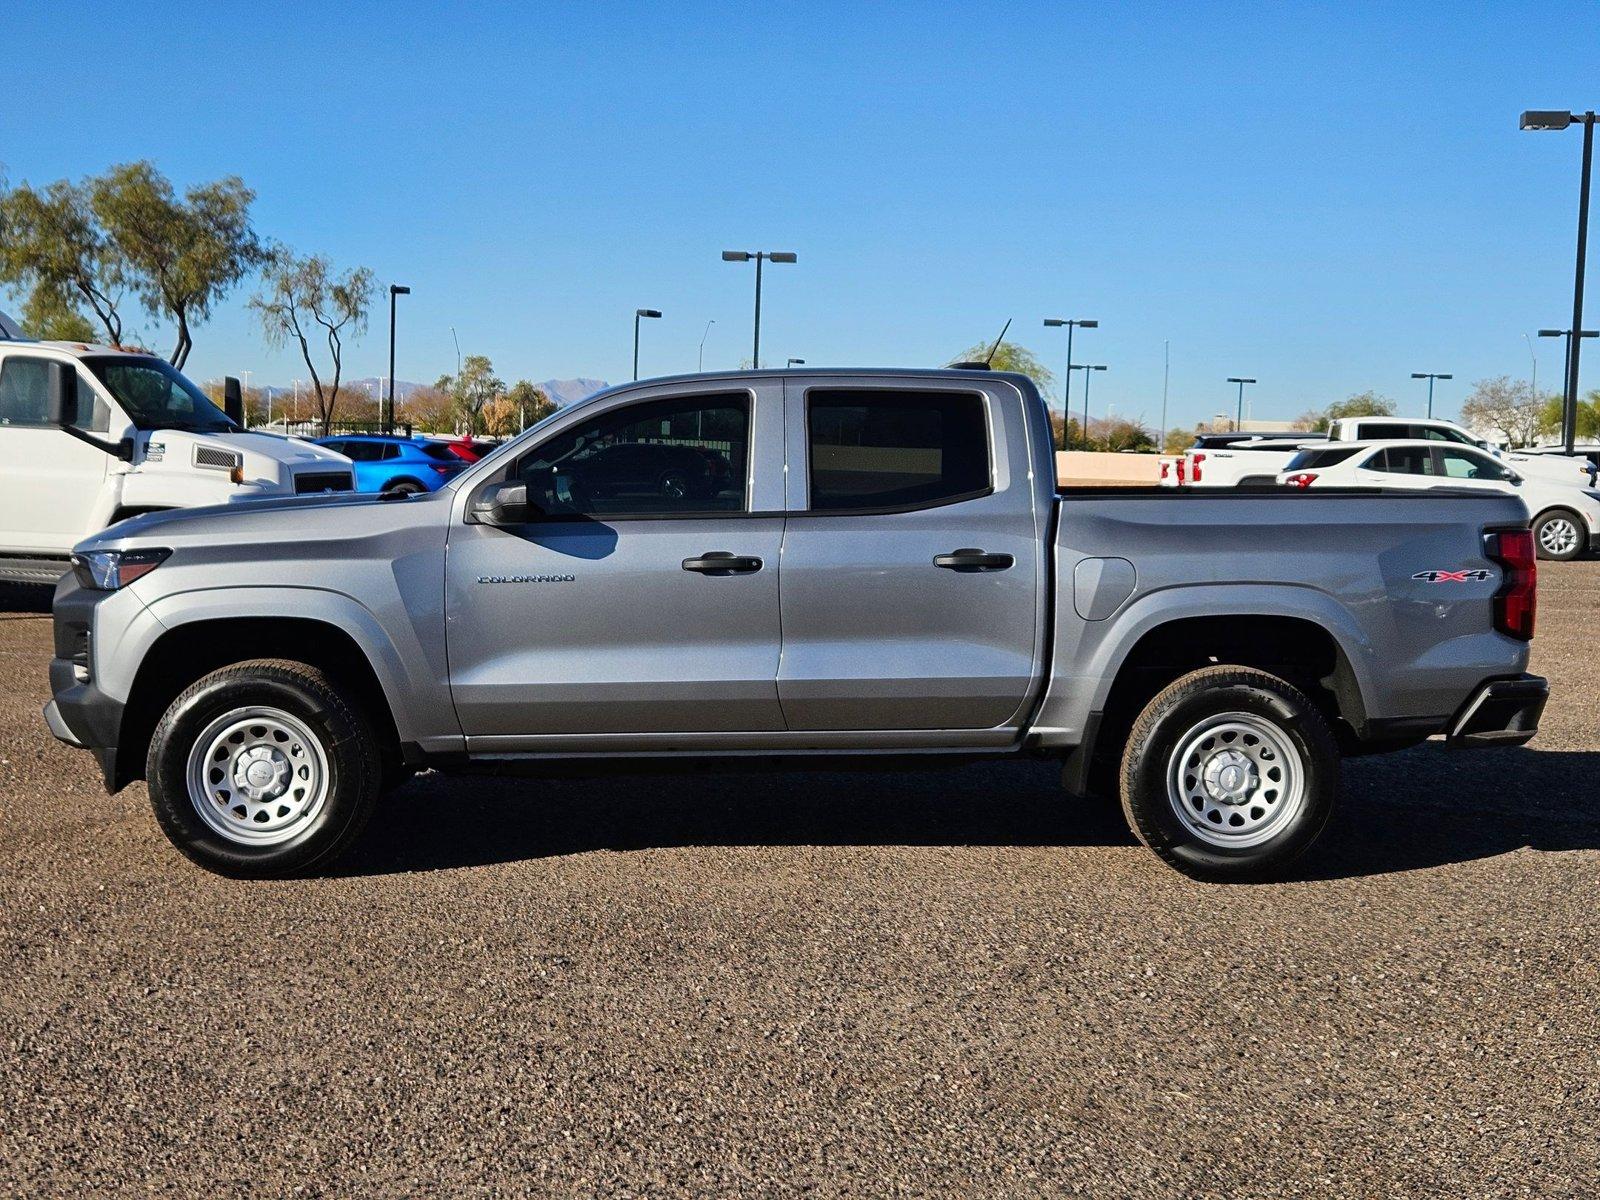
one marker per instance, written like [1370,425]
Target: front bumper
[1503,712]
[79,713]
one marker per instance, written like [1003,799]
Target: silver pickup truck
[799,568]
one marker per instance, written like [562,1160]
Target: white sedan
[1566,519]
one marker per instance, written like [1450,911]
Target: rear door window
[876,450]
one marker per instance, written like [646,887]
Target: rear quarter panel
[1347,563]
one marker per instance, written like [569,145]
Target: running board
[16,569]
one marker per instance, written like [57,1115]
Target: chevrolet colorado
[871,565]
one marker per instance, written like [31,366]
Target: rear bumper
[1503,712]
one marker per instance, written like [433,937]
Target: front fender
[410,667]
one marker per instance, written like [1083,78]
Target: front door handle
[722,562]
[970,560]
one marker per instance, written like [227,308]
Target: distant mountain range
[562,391]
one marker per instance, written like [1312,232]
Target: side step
[16,569]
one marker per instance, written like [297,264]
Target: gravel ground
[940,984]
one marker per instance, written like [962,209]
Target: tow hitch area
[1503,712]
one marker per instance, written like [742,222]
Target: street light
[395,289]
[1066,386]
[795,362]
[777,256]
[1543,120]
[1430,377]
[1086,368]
[700,361]
[1239,417]
[637,314]
[1566,359]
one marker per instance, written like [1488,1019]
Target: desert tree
[1502,406]
[472,389]
[181,256]
[52,244]
[306,302]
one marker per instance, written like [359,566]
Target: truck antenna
[989,358]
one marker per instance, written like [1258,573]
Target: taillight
[1517,599]
[1194,467]
[1301,479]
[1166,468]
[1182,466]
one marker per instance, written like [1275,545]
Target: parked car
[1577,471]
[90,436]
[891,573]
[390,463]
[1253,462]
[1566,520]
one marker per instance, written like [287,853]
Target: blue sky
[1327,197]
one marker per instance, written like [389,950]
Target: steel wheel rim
[1235,780]
[258,776]
[1558,535]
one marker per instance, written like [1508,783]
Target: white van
[90,435]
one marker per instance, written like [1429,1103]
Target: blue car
[390,463]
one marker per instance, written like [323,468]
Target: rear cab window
[873,450]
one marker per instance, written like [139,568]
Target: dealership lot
[858,984]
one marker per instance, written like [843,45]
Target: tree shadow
[1425,807]
[25,599]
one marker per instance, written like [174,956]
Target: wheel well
[1300,651]
[1555,508]
[184,654]
[399,479]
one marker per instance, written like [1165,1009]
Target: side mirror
[233,401]
[503,504]
[62,394]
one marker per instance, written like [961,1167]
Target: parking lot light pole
[777,256]
[637,314]
[1566,359]
[1086,368]
[1238,419]
[1545,120]
[1430,377]
[1066,386]
[795,362]
[700,359]
[395,289]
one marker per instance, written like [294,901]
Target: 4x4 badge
[1453,576]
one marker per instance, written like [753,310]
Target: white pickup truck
[143,438]
[1258,461]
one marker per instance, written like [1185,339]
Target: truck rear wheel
[1229,774]
[262,770]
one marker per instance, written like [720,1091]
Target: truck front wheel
[1229,774]
[262,770]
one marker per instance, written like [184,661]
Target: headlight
[108,570]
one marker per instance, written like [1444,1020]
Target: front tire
[1559,535]
[263,770]
[1229,774]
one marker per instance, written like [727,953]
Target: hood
[272,519]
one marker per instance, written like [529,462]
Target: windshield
[156,396]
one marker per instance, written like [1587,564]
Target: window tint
[686,455]
[435,451]
[156,396]
[1307,459]
[1373,431]
[390,450]
[877,449]
[364,451]
[1459,464]
[24,391]
[1406,460]
[25,397]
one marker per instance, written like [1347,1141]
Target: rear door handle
[970,560]
[722,562]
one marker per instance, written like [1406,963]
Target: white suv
[1566,520]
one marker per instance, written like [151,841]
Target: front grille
[322,481]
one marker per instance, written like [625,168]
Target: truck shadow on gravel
[1425,807]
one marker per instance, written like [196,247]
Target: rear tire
[1229,774]
[405,487]
[262,770]
[1559,535]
